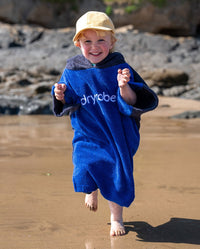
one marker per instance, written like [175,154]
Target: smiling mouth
[95,54]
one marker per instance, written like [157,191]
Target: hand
[60,92]
[126,91]
[123,77]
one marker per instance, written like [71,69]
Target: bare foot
[117,226]
[91,200]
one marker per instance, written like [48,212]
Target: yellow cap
[93,20]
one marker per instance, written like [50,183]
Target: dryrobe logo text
[93,99]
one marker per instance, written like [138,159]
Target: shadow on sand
[177,230]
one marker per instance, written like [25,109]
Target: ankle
[116,212]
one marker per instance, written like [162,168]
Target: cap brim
[97,28]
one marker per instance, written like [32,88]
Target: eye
[101,40]
[87,41]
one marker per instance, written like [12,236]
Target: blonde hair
[100,33]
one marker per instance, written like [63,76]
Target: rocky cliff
[177,17]
[32,59]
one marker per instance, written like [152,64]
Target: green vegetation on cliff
[132,5]
[129,5]
[159,3]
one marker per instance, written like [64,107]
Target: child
[104,97]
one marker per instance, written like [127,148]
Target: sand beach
[40,210]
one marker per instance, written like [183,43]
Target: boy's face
[94,47]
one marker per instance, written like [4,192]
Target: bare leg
[117,226]
[91,200]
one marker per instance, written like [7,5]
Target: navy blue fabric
[106,128]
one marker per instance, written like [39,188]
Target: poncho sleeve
[147,100]
[72,102]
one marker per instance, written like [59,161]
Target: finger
[126,74]
[63,87]
[58,86]
[126,77]
[59,96]
[119,71]
[57,91]
[126,71]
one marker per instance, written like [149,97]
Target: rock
[26,92]
[18,105]
[23,82]
[43,88]
[169,65]
[175,91]
[10,105]
[187,115]
[192,94]
[13,36]
[166,78]
[36,107]
[171,18]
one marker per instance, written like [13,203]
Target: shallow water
[38,206]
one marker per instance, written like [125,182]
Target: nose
[94,45]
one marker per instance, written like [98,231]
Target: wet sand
[38,206]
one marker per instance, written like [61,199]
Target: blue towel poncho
[106,128]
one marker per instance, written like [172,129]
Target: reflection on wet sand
[38,206]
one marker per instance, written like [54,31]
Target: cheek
[83,49]
[107,48]
[109,45]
